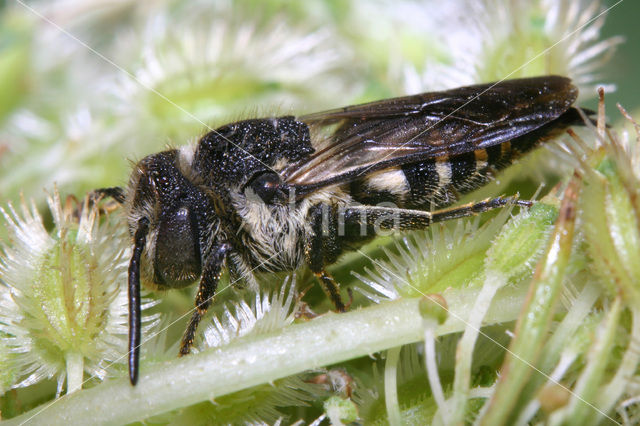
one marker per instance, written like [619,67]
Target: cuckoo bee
[274,194]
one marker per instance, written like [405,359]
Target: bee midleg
[323,248]
[206,290]
[373,218]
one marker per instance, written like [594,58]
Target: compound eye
[265,185]
[177,262]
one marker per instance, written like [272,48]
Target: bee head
[181,221]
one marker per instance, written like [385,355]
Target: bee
[275,194]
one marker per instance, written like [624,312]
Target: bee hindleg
[374,218]
[206,290]
[334,228]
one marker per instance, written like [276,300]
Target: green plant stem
[391,386]
[464,351]
[432,372]
[252,360]
[75,370]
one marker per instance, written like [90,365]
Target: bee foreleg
[117,193]
[206,290]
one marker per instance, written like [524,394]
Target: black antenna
[140,240]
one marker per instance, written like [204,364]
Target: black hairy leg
[335,230]
[206,291]
[332,289]
[323,248]
[372,218]
[116,192]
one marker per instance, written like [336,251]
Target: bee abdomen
[427,184]
[434,183]
[425,178]
[386,186]
[438,182]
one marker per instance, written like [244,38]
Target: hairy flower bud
[64,304]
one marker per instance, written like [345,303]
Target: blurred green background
[624,68]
